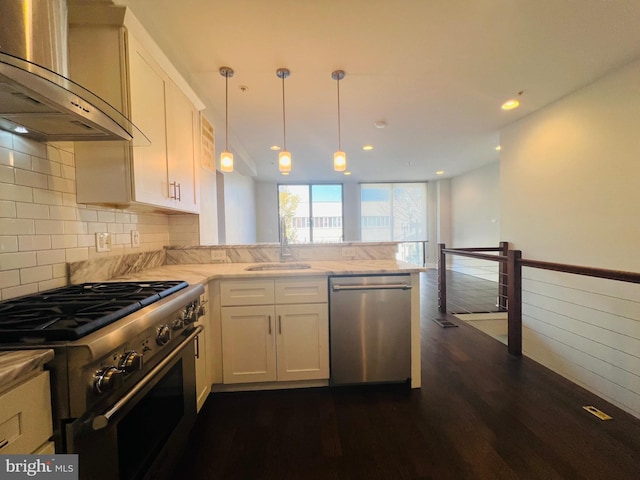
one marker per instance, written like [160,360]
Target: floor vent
[598,413]
[444,323]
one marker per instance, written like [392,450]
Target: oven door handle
[101,421]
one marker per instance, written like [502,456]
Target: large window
[395,212]
[311,213]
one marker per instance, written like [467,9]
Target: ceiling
[436,71]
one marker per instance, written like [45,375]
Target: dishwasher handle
[391,286]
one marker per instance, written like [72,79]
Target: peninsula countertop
[203,273]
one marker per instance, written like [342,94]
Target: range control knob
[131,362]
[164,335]
[107,379]
[178,322]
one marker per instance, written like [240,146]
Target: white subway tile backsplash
[17,226]
[59,270]
[53,283]
[31,179]
[75,227]
[42,227]
[7,208]
[106,216]
[50,257]
[47,197]
[11,261]
[34,242]
[35,274]
[7,174]
[9,278]
[60,184]
[49,227]
[8,244]
[31,147]
[32,210]
[20,290]
[64,241]
[63,213]
[77,254]
[15,159]
[47,167]
[17,193]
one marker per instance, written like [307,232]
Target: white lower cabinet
[203,374]
[274,341]
[25,417]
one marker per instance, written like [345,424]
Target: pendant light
[284,158]
[339,157]
[226,157]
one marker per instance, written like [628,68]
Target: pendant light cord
[339,136]
[284,119]
[226,111]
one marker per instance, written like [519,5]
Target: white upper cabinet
[112,55]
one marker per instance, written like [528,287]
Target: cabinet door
[147,84]
[303,342]
[181,127]
[248,344]
[203,385]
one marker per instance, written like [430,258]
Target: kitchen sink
[278,266]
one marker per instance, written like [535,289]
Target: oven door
[143,435]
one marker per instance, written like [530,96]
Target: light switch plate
[135,239]
[103,242]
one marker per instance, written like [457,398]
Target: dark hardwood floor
[480,414]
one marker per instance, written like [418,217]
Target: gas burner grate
[69,313]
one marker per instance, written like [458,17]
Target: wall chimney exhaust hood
[37,100]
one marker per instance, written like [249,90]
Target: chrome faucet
[284,243]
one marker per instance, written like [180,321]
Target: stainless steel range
[123,375]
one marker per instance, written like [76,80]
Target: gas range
[112,341]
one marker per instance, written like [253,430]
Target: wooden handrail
[481,256]
[620,275]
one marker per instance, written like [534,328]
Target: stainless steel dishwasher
[370,329]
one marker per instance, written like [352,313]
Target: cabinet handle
[175,189]
[269,324]
[198,346]
[280,324]
[179,192]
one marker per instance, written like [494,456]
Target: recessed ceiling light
[498,148]
[367,147]
[380,124]
[440,172]
[347,173]
[510,104]
[275,148]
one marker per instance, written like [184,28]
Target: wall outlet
[218,254]
[103,242]
[135,239]
[348,251]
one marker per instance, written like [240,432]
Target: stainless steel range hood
[37,100]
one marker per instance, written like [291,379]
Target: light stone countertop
[203,273]
[17,364]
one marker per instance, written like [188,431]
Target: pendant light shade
[226,157]
[339,157]
[284,158]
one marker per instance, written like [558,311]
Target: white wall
[475,214]
[570,193]
[240,212]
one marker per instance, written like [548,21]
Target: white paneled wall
[42,227]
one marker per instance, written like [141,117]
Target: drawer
[246,292]
[25,416]
[298,290]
